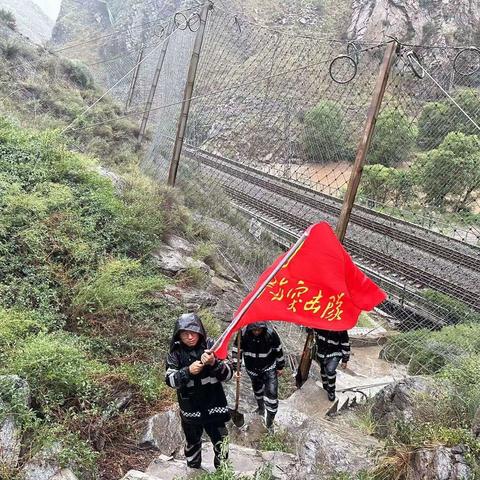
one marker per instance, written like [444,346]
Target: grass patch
[427,352]
[277,441]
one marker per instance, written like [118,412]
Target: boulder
[136,475]
[322,447]
[219,285]
[117,181]
[191,299]
[44,465]
[64,474]
[13,390]
[244,461]
[167,468]
[172,262]
[396,402]
[164,432]
[179,244]
[250,434]
[439,463]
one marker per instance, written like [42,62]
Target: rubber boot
[269,419]
[261,408]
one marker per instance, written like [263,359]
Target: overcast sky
[50,7]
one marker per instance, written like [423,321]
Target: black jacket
[201,397]
[332,344]
[261,353]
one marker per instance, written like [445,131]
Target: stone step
[244,461]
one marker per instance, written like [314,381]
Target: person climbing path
[193,370]
[331,348]
[262,351]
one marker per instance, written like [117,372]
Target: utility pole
[153,88]
[364,145]
[287,172]
[133,83]
[354,182]
[187,96]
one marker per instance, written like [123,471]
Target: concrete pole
[187,96]
[153,88]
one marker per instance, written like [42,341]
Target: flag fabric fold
[319,286]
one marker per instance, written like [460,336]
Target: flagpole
[260,289]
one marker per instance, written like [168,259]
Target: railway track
[416,276]
[332,206]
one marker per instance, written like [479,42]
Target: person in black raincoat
[331,348]
[197,375]
[262,351]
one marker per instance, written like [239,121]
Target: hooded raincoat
[201,397]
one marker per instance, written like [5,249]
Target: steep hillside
[417,21]
[31,20]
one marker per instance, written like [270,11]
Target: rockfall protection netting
[273,129]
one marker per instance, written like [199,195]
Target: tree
[402,184]
[327,134]
[387,184]
[8,18]
[376,181]
[450,174]
[438,119]
[393,139]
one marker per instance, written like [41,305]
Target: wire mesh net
[274,126]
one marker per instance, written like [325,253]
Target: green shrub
[327,134]
[454,310]
[211,324]
[438,119]
[78,73]
[450,174]
[144,219]
[15,400]
[120,285]
[464,393]
[8,18]
[10,49]
[428,352]
[387,185]
[393,139]
[56,367]
[16,324]
[146,379]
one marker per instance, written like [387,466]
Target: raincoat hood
[190,322]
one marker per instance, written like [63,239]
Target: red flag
[319,286]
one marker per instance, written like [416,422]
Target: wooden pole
[133,84]
[187,96]
[364,145]
[153,88]
[354,182]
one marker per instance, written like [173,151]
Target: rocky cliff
[31,20]
[438,22]
[431,22]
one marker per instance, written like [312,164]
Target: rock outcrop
[31,20]
[396,403]
[440,463]
[438,23]
[13,391]
[164,432]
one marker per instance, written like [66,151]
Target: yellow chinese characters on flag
[308,299]
[319,287]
